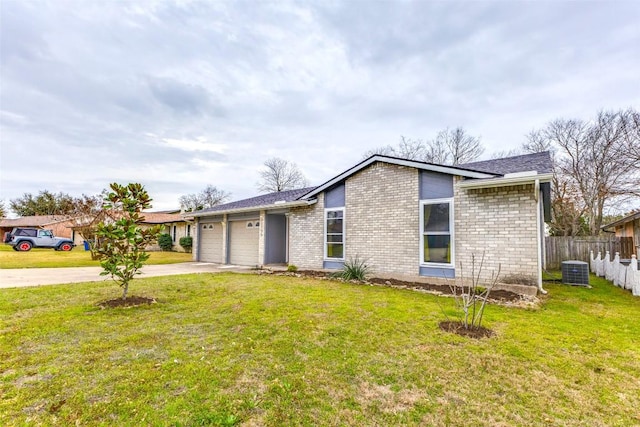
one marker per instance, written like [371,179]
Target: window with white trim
[436,237]
[334,234]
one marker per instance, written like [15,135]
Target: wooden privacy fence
[624,276]
[558,248]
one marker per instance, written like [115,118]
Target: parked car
[23,239]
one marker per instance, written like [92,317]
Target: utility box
[575,273]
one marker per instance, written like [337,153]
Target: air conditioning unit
[575,273]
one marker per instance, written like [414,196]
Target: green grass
[78,257]
[232,349]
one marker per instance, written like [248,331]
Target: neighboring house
[629,227]
[404,217]
[58,223]
[174,224]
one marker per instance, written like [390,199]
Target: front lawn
[232,349]
[78,257]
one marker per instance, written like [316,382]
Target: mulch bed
[132,301]
[457,327]
[496,295]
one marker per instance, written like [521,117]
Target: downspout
[539,235]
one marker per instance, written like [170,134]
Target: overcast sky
[178,95]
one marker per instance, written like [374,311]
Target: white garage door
[211,242]
[244,242]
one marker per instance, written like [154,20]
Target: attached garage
[250,232]
[211,242]
[244,238]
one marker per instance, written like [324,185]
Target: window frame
[344,229]
[450,233]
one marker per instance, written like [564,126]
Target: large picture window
[334,234]
[436,217]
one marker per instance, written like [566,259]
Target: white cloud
[179,95]
[198,144]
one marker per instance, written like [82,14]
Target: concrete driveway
[22,277]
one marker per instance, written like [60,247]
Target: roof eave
[624,220]
[269,207]
[451,170]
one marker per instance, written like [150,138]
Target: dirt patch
[132,301]
[496,295]
[457,327]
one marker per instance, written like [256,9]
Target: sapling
[123,241]
[471,296]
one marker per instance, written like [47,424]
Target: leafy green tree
[45,203]
[122,249]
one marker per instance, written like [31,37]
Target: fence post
[608,266]
[599,265]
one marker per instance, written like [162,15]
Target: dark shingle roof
[263,200]
[540,162]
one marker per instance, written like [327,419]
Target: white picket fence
[626,277]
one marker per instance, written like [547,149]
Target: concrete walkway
[22,277]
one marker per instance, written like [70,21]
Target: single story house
[60,224]
[174,224]
[628,227]
[404,217]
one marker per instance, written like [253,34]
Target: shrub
[186,243]
[165,242]
[354,269]
[292,268]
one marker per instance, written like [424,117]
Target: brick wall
[306,235]
[381,222]
[382,218]
[501,222]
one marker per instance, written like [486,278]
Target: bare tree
[3,209]
[209,197]
[594,165]
[459,146]
[450,147]
[280,175]
[86,216]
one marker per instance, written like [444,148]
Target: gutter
[273,206]
[507,180]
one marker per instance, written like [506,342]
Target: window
[175,231]
[334,234]
[436,217]
[188,230]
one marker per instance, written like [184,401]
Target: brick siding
[382,216]
[306,235]
[502,223]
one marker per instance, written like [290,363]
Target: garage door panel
[211,243]
[243,245]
